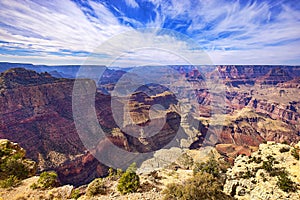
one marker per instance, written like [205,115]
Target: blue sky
[143,32]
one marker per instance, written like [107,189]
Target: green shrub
[248,174]
[257,160]
[285,183]
[46,180]
[215,167]
[34,186]
[284,149]
[295,153]
[129,181]
[13,162]
[185,161]
[96,187]
[11,181]
[268,165]
[202,186]
[212,166]
[12,166]
[75,194]
[114,174]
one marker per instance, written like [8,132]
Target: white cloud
[231,33]
[59,24]
[132,3]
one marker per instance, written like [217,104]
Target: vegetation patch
[129,181]
[295,152]
[202,186]
[285,183]
[14,167]
[284,149]
[46,180]
[96,187]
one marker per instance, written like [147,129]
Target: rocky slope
[36,111]
[272,172]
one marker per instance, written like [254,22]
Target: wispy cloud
[132,3]
[256,32]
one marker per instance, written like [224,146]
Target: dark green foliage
[185,161]
[248,174]
[11,181]
[202,186]
[96,187]
[284,149]
[268,165]
[295,152]
[129,181]
[257,160]
[263,176]
[75,194]
[14,167]
[285,183]
[114,174]
[46,180]
[34,186]
[285,142]
[212,166]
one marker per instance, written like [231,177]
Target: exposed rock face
[241,75]
[287,113]
[259,106]
[295,83]
[36,111]
[274,76]
[251,178]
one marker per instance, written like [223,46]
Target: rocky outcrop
[235,75]
[12,156]
[274,76]
[258,177]
[295,83]
[287,113]
[36,111]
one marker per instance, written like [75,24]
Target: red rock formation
[36,112]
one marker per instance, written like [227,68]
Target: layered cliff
[36,112]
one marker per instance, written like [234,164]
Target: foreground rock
[258,176]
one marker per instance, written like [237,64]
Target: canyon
[253,104]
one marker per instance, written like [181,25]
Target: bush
[185,161]
[211,166]
[96,187]
[129,181]
[114,174]
[46,180]
[248,174]
[285,183]
[268,165]
[11,181]
[12,166]
[284,149]
[202,186]
[75,194]
[295,153]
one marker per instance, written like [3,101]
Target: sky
[150,32]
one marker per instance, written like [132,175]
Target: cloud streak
[66,32]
